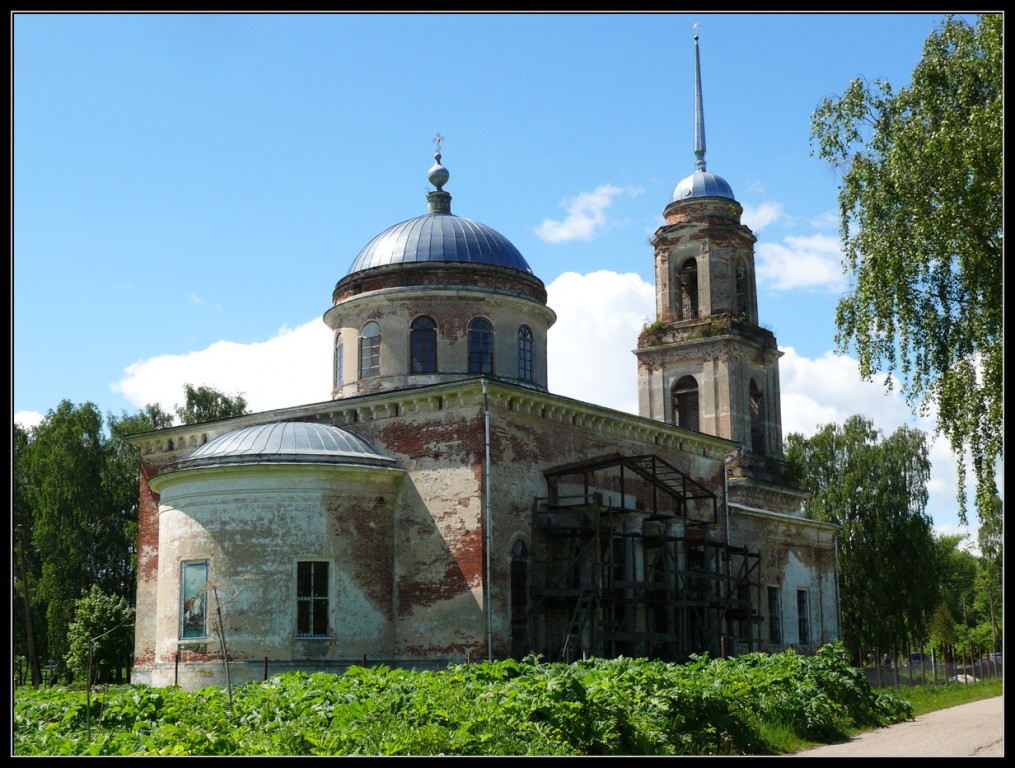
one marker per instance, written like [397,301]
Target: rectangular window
[312,598]
[193,599]
[525,371]
[370,358]
[480,346]
[803,617]
[774,617]
[744,607]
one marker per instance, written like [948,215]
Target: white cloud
[28,419]
[590,358]
[757,217]
[291,368]
[829,390]
[801,262]
[586,215]
[828,220]
[599,317]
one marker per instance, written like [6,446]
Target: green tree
[102,628]
[875,490]
[75,507]
[988,600]
[957,569]
[26,620]
[122,483]
[921,221]
[207,403]
[65,492]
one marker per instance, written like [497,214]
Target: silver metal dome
[702,184]
[287,441]
[439,236]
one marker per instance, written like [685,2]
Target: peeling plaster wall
[252,523]
[796,554]
[409,581]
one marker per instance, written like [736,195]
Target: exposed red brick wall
[451,274]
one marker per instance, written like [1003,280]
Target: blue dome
[292,441]
[701,184]
[439,237]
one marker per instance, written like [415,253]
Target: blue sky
[188,188]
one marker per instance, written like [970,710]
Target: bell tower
[705,363]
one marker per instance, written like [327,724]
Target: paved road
[968,730]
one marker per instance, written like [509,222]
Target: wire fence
[954,664]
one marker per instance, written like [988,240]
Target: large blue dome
[439,236]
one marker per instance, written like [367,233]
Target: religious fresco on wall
[193,603]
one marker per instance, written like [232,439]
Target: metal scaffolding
[631,557]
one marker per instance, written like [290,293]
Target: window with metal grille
[370,351]
[480,346]
[525,369]
[312,598]
[423,346]
[339,364]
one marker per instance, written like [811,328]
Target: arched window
[687,278]
[741,305]
[525,370]
[685,403]
[370,351]
[757,411]
[339,361]
[423,346]
[480,346]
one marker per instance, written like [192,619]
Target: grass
[930,698]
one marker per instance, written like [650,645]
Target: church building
[443,505]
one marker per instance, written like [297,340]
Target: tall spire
[701,183]
[699,111]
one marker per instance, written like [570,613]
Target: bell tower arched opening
[685,404]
